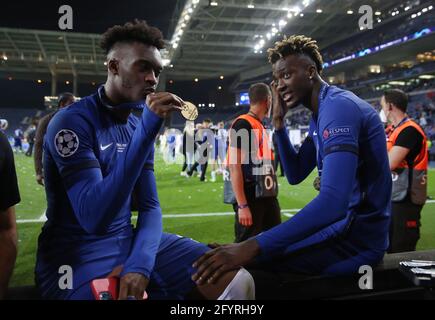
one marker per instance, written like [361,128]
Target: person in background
[9,197]
[204,149]
[30,139]
[64,100]
[408,158]
[18,140]
[222,137]
[3,125]
[188,147]
[253,214]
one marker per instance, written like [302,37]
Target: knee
[241,287]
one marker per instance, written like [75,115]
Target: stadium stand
[18,117]
[383,34]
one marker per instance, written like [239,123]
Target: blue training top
[92,162]
[347,143]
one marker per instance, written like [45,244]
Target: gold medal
[189,111]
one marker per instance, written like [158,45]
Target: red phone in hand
[108,289]
[105,289]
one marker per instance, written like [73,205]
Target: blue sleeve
[328,207]
[297,165]
[340,148]
[339,126]
[96,199]
[149,225]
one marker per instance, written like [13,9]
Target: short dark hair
[135,31]
[259,92]
[64,97]
[296,44]
[208,120]
[397,97]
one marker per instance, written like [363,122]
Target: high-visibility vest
[264,152]
[412,180]
[266,184]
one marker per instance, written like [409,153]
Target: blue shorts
[17,142]
[170,279]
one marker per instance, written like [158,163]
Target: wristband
[242,206]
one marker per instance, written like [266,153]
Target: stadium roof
[206,38]
[45,53]
[226,37]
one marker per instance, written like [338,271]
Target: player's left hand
[132,285]
[279,108]
[40,179]
[216,262]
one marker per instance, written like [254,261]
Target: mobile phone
[105,289]
[108,289]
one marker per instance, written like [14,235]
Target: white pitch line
[43,217]
[28,221]
[285,212]
[192,215]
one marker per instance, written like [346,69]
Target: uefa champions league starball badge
[66,142]
[189,111]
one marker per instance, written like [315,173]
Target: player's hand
[40,179]
[132,285]
[214,245]
[279,108]
[163,103]
[245,217]
[216,262]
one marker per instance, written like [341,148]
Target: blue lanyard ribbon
[136,105]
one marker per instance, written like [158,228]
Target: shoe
[184,174]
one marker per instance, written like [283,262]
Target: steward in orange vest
[409,180]
[250,183]
[407,155]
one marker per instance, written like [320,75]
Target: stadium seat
[388,283]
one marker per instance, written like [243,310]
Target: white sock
[242,287]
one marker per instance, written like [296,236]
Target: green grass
[177,195]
